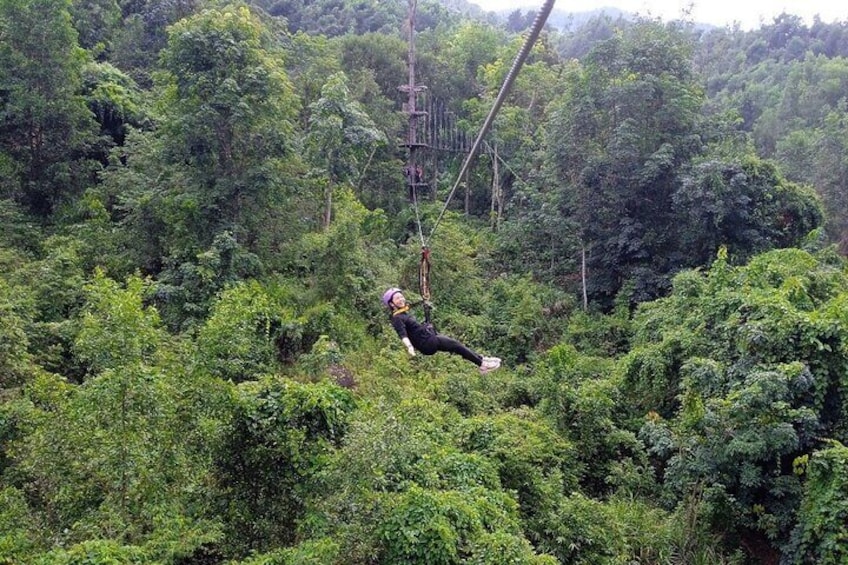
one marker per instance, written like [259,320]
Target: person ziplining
[425,338]
[413,334]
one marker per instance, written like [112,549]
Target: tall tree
[46,126]
[341,136]
[228,118]
[626,122]
[96,22]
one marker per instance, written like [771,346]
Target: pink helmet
[388,295]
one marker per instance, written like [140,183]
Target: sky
[748,13]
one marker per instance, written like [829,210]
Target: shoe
[489,364]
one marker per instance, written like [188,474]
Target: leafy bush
[408,485]
[93,454]
[281,435]
[188,285]
[14,357]
[755,357]
[444,527]
[95,552]
[650,376]
[601,336]
[581,395]
[18,531]
[531,458]
[235,341]
[310,552]
[821,535]
[116,329]
[520,316]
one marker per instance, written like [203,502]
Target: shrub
[821,535]
[281,435]
[235,341]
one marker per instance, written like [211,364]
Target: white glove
[409,348]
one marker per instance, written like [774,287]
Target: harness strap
[424,282]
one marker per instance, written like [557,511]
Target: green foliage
[378,57]
[390,447]
[490,393]
[407,486]
[599,335]
[116,330]
[421,526]
[280,436]
[651,374]
[822,529]
[331,19]
[14,342]
[95,552]
[748,207]
[16,231]
[339,138]
[47,126]
[18,531]
[496,548]
[309,552]
[341,262]
[89,230]
[759,371]
[121,443]
[114,99]
[53,287]
[323,355]
[111,460]
[96,22]
[644,195]
[235,342]
[580,532]
[341,134]
[520,315]
[579,393]
[531,459]
[626,121]
[225,152]
[187,286]
[110,552]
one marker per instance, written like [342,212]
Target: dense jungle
[202,203]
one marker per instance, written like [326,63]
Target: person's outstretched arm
[400,328]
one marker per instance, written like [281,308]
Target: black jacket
[406,325]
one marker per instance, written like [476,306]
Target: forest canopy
[203,202]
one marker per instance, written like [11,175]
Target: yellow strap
[401,310]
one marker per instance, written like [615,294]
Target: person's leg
[428,346]
[450,345]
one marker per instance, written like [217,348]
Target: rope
[424,283]
[424,266]
[417,215]
[538,24]
[424,275]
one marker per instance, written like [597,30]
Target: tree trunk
[434,183]
[494,211]
[583,276]
[467,194]
[328,210]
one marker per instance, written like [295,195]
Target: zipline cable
[538,25]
